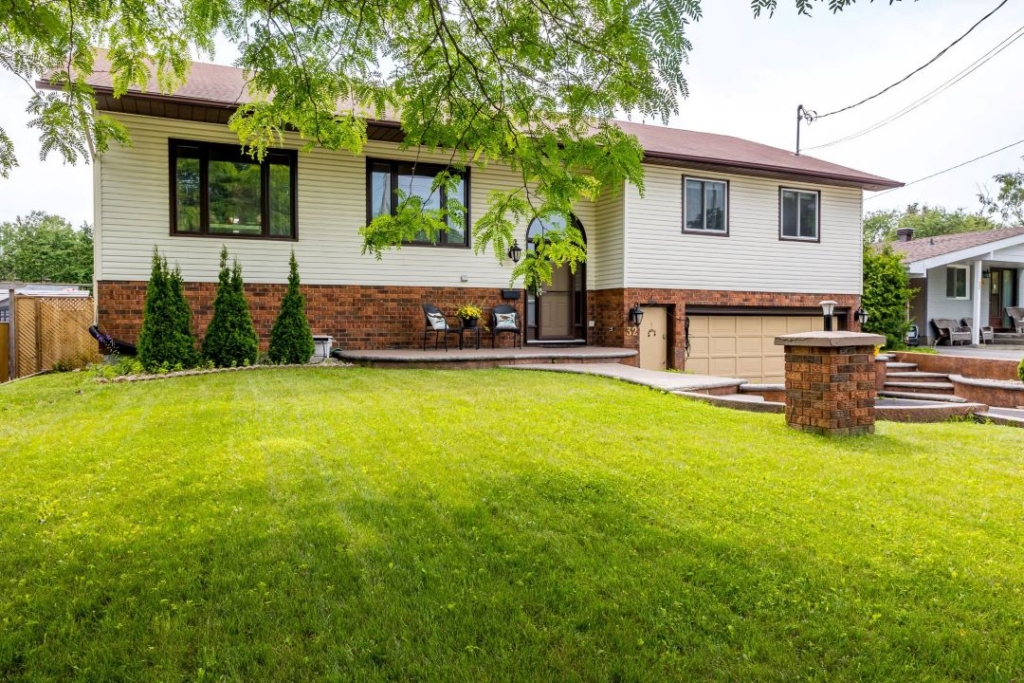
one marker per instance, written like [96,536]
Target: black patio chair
[435,322]
[110,345]
[505,318]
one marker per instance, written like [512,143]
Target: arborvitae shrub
[166,340]
[231,338]
[290,338]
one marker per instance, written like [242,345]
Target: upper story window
[956,282]
[384,177]
[705,206]
[799,214]
[216,190]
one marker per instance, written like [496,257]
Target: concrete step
[927,387]
[918,396]
[895,365]
[904,376]
[1011,417]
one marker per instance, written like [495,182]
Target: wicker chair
[1016,314]
[947,330]
[986,334]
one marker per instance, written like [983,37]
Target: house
[732,243]
[974,275]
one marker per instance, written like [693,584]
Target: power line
[918,69]
[951,168]
[977,64]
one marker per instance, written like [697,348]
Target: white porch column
[1020,289]
[976,327]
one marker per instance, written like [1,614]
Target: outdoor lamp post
[636,315]
[862,316]
[827,308]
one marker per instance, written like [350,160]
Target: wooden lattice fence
[52,333]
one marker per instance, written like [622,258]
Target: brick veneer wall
[377,317]
[358,317]
[610,311]
[831,390]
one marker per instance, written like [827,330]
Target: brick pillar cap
[830,339]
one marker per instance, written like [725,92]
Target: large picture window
[705,206]
[216,190]
[799,214]
[384,177]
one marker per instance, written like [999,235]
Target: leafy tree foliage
[881,226]
[1008,204]
[531,84]
[231,338]
[291,340]
[887,293]
[44,247]
[166,341]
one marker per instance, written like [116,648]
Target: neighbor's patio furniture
[435,322]
[985,334]
[913,336]
[1016,314]
[505,318]
[949,331]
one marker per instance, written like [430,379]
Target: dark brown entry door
[1002,293]
[557,314]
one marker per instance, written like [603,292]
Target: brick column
[830,382]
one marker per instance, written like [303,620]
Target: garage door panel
[743,346]
[721,325]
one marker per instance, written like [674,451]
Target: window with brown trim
[705,206]
[218,191]
[384,177]
[799,214]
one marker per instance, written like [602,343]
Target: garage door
[743,345]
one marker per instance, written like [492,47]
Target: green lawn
[371,525]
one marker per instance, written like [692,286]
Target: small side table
[475,331]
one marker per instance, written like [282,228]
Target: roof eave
[873,183]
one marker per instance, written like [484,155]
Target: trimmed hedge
[291,340]
[231,338]
[166,340]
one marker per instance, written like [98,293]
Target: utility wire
[951,168]
[918,69]
[977,64]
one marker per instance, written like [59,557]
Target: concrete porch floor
[484,357]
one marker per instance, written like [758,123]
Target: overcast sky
[746,77]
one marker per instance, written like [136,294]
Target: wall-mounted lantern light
[827,309]
[636,315]
[515,251]
[862,316]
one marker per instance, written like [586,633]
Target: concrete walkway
[987,351]
[655,379]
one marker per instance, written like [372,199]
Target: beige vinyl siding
[132,215]
[606,239]
[751,257]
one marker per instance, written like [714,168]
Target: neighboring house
[737,239]
[968,275]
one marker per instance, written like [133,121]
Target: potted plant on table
[469,315]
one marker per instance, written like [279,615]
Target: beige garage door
[743,345]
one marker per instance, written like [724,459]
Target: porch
[485,358]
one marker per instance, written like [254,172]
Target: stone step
[1011,417]
[928,387]
[896,365]
[917,396]
[903,376]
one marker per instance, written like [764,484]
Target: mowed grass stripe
[351,524]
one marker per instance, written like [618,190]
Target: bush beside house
[291,340]
[166,340]
[231,338]
[887,292]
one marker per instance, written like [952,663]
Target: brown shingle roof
[225,87]
[929,247]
